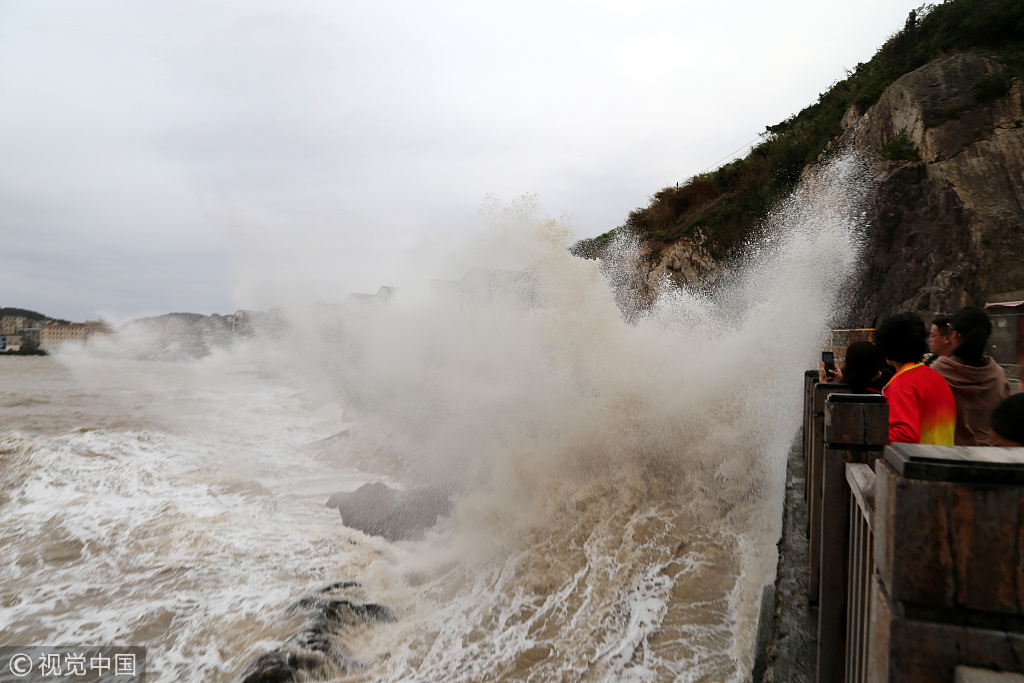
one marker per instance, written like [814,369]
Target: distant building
[12,324]
[11,342]
[96,327]
[53,334]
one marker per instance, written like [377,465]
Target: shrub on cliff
[900,148]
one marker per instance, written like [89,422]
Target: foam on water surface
[617,479]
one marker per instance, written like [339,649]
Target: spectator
[939,343]
[921,405]
[1007,424]
[861,370]
[978,382]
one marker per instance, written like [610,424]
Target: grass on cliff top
[725,205]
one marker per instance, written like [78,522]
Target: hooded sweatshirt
[977,392]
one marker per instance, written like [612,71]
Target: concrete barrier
[815,467]
[856,429]
[949,556]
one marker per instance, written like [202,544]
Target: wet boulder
[394,514]
[316,650]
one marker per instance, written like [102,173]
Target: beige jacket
[977,392]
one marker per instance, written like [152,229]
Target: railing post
[810,379]
[949,550]
[814,463]
[856,430]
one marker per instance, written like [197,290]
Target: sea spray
[618,471]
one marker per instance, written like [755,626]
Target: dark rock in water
[340,585]
[312,653]
[380,510]
[280,666]
[343,612]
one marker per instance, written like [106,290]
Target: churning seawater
[618,486]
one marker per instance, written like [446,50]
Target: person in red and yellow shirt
[921,404]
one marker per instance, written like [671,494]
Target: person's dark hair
[942,322]
[974,328]
[1008,419]
[901,338]
[861,366]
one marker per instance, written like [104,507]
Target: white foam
[619,477]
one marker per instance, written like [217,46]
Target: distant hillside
[719,210]
[31,315]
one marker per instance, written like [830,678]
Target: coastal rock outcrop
[315,652]
[683,263]
[945,217]
[394,514]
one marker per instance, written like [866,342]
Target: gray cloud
[183,154]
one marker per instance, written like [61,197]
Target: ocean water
[617,479]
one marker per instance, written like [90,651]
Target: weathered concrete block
[815,467]
[970,674]
[910,651]
[857,422]
[950,545]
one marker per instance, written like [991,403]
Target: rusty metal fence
[838,340]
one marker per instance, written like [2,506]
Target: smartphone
[829,359]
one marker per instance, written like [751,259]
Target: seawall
[787,640]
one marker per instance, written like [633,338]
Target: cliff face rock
[684,263]
[946,217]
[946,223]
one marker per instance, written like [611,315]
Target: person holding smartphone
[862,369]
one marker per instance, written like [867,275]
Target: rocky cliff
[946,222]
[946,216]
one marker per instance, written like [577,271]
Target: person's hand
[824,377]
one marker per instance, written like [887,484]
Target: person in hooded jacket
[977,381]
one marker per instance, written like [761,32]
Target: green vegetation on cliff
[725,205]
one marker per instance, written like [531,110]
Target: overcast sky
[185,155]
